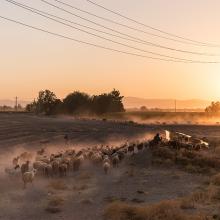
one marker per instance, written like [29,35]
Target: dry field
[127,192]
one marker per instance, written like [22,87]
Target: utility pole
[175,105]
[16,103]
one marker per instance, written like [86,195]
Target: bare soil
[83,195]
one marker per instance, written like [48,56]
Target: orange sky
[31,61]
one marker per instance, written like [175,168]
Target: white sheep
[39,166]
[28,177]
[106,159]
[106,167]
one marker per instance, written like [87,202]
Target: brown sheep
[48,170]
[115,161]
[55,167]
[76,164]
[25,167]
[63,169]
[15,161]
[131,149]
[140,146]
[28,177]
[106,167]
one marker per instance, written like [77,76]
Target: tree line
[76,103]
[214,108]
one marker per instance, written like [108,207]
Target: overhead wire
[150,27]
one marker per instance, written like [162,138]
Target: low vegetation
[166,210]
[191,161]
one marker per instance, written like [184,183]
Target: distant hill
[11,103]
[134,102]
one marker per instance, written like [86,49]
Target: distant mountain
[11,103]
[134,102]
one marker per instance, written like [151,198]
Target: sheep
[39,166]
[96,158]
[121,155]
[25,156]
[63,169]
[48,170]
[55,167]
[41,151]
[66,160]
[76,162]
[79,153]
[106,167]
[15,161]
[115,160]
[131,148]
[106,159]
[146,144]
[140,146]
[28,177]
[25,167]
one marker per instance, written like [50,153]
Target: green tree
[77,102]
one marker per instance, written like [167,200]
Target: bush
[164,210]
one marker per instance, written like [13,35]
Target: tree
[143,108]
[116,104]
[77,102]
[31,107]
[214,108]
[47,102]
[108,102]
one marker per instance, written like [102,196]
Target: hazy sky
[31,61]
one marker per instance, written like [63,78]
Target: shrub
[164,210]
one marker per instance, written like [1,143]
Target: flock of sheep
[60,163]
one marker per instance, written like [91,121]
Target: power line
[107,39]
[129,27]
[139,30]
[36,11]
[91,44]
[135,38]
[153,28]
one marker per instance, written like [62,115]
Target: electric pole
[16,103]
[175,105]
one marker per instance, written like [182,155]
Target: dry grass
[164,210]
[57,185]
[164,152]
[191,161]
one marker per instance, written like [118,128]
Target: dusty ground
[83,195]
